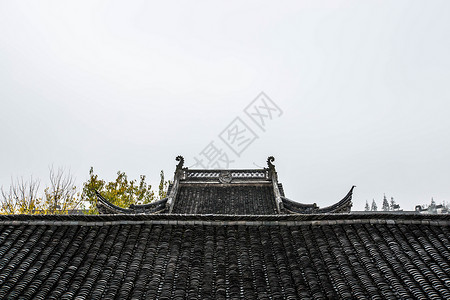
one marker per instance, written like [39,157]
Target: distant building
[433,208]
[226,192]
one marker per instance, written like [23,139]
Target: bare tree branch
[61,195]
[21,197]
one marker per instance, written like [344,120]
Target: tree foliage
[385,206]
[21,197]
[62,197]
[367,207]
[122,191]
[374,206]
[393,205]
[59,197]
[163,185]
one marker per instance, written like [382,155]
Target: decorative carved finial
[271,159]
[181,162]
[225,176]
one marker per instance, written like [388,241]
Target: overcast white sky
[128,85]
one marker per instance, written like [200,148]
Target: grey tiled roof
[240,200]
[379,256]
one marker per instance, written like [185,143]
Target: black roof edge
[174,217]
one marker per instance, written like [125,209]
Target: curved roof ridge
[297,207]
[105,206]
[342,206]
[149,205]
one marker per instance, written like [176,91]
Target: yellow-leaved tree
[60,197]
[122,191]
[21,197]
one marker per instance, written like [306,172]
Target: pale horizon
[362,91]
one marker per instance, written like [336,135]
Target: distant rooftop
[230,192]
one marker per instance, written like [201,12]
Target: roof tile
[230,257]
